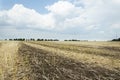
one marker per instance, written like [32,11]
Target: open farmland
[39,60]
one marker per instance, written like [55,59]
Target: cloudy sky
[61,19]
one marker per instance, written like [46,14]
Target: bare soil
[43,65]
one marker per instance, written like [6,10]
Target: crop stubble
[37,63]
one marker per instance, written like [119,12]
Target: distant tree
[19,39]
[116,39]
[23,39]
[15,39]
[51,40]
[65,40]
[56,40]
[38,39]
[42,39]
[10,39]
[32,39]
[46,40]
[75,40]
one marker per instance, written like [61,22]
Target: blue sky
[38,5]
[62,19]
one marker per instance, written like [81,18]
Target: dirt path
[8,57]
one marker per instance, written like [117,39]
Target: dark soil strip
[38,64]
[112,48]
[77,50]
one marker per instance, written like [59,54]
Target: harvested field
[109,59]
[58,61]
[8,58]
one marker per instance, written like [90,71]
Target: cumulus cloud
[59,13]
[87,14]
[20,16]
[61,8]
[64,12]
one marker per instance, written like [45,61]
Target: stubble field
[59,60]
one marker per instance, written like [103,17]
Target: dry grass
[0,44]
[8,57]
[59,61]
[48,65]
[98,55]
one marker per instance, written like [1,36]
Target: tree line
[31,39]
[75,40]
[116,39]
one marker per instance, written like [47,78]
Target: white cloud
[90,14]
[101,32]
[61,8]
[59,13]
[115,26]
[19,16]
[92,27]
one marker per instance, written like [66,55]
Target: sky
[61,19]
